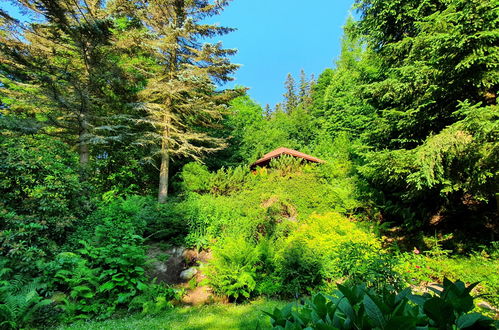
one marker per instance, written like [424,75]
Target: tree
[435,100]
[338,96]
[290,96]
[431,57]
[305,98]
[180,99]
[267,111]
[60,69]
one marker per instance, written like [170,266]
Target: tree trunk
[164,169]
[82,141]
[84,154]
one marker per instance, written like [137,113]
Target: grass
[246,316]
[472,270]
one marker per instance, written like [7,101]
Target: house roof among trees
[265,160]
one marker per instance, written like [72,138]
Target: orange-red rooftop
[265,160]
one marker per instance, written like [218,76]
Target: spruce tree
[290,97]
[180,99]
[267,111]
[60,69]
[305,90]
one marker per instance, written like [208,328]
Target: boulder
[188,273]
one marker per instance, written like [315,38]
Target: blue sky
[277,37]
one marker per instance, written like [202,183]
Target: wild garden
[128,199]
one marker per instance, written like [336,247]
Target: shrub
[195,178]
[299,268]
[228,180]
[425,267]
[155,298]
[41,199]
[342,249]
[233,269]
[359,308]
[97,279]
[135,215]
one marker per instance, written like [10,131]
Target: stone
[188,273]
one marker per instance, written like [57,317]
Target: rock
[188,273]
[166,264]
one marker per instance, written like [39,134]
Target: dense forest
[119,137]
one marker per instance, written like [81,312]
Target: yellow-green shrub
[343,249]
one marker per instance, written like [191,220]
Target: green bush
[233,269]
[229,180]
[424,267]
[357,307]
[344,251]
[299,268]
[136,215]
[41,199]
[155,298]
[98,279]
[195,178]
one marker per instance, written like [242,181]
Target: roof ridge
[287,151]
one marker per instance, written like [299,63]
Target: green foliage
[355,307]
[135,215]
[155,298]
[195,178]
[299,269]
[99,278]
[233,269]
[455,164]
[432,266]
[228,180]
[344,250]
[21,303]
[41,198]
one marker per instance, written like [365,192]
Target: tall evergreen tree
[305,97]
[180,97]
[435,100]
[60,69]
[290,96]
[267,111]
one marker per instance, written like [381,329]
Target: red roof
[284,151]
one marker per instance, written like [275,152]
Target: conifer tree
[303,85]
[180,97]
[267,111]
[290,97]
[279,108]
[60,68]
[305,90]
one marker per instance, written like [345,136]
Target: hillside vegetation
[118,138]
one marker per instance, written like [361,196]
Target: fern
[20,303]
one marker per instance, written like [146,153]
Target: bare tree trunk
[164,169]
[84,153]
[82,144]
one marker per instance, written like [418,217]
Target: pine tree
[305,90]
[290,97]
[303,85]
[180,97]
[267,111]
[279,108]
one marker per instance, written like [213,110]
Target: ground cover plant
[360,308]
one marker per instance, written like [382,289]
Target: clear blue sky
[277,37]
